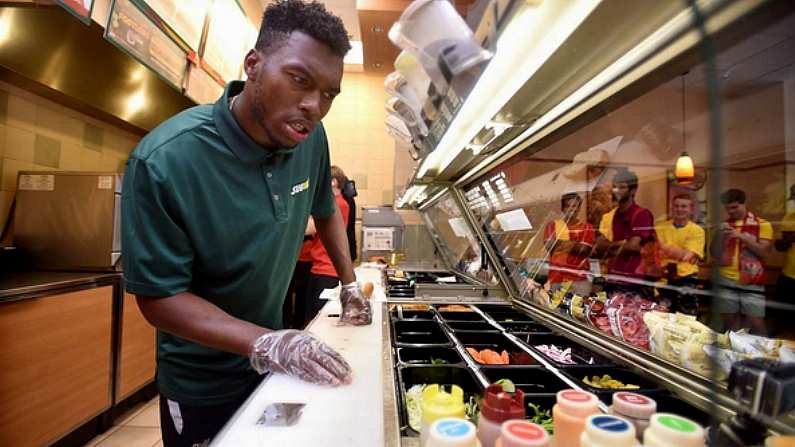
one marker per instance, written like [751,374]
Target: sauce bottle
[517,433]
[498,406]
[438,404]
[452,432]
[608,431]
[569,414]
[670,430]
[635,408]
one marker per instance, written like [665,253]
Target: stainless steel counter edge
[16,286]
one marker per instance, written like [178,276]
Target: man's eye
[299,79]
[329,96]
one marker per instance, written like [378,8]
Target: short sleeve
[643,225]
[323,203]
[156,252]
[695,243]
[765,230]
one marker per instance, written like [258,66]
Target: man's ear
[251,63]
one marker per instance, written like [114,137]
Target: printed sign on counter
[80,8]
[132,31]
[376,239]
[36,182]
[229,38]
[514,220]
[185,18]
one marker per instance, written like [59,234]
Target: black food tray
[423,356]
[532,380]
[427,375]
[496,342]
[579,354]
[418,333]
[624,375]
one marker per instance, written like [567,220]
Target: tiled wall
[358,139]
[37,134]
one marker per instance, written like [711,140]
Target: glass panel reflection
[458,243]
[609,221]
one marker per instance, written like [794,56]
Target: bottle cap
[499,406]
[518,433]
[634,405]
[608,430]
[452,432]
[667,429]
[437,403]
[577,403]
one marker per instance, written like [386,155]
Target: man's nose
[310,105]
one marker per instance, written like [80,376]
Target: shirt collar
[240,143]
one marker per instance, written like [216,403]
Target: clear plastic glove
[356,309]
[299,354]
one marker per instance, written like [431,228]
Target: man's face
[571,206]
[293,87]
[622,192]
[681,209]
[735,210]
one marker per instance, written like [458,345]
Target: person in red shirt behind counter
[570,242]
[323,275]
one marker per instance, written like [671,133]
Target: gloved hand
[356,309]
[299,354]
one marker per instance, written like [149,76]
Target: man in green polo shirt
[214,208]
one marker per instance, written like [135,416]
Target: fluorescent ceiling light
[531,37]
[412,195]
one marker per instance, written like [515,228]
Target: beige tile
[132,437]
[47,151]
[11,168]
[148,417]
[21,113]
[108,163]
[90,160]
[102,436]
[48,120]
[19,144]
[6,197]
[93,136]
[70,156]
[119,144]
[3,134]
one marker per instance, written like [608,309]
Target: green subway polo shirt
[206,210]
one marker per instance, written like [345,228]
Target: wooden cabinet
[136,366]
[55,364]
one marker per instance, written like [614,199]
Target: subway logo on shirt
[301,187]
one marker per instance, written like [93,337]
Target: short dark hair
[282,17]
[683,196]
[569,196]
[624,175]
[732,195]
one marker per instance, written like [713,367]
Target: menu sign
[185,18]
[202,88]
[132,31]
[80,8]
[229,38]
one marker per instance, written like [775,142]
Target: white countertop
[350,415]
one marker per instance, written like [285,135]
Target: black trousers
[190,426]
[312,303]
[292,310]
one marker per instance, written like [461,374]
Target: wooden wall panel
[55,361]
[137,350]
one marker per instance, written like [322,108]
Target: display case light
[534,33]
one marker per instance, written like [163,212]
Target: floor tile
[148,417]
[132,437]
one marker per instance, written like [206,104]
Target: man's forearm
[193,318]
[332,233]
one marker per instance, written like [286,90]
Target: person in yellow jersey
[740,248]
[785,286]
[682,246]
